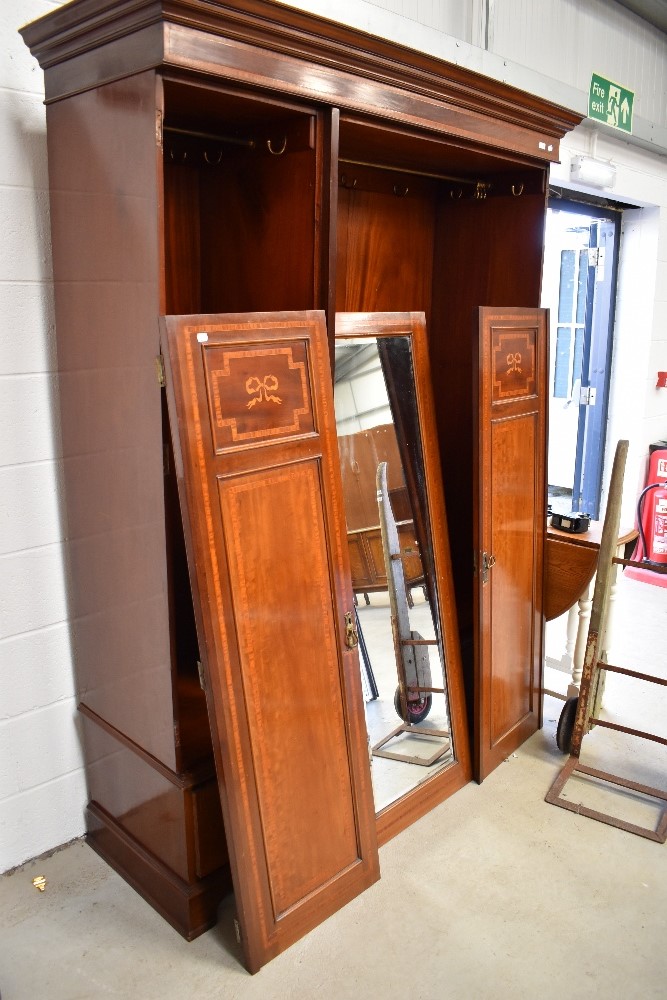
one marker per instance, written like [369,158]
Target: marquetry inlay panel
[513,368]
[257,393]
[514,477]
[289,662]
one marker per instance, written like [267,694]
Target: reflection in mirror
[391,556]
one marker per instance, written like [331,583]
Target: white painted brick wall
[42,788]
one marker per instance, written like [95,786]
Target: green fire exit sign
[610,103]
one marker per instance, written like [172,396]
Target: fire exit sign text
[610,103]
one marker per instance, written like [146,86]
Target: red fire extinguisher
[651,545]
[652,515]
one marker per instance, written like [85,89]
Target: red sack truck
[652,519]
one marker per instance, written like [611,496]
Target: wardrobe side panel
[104,210]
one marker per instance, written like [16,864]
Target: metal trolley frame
[581,713]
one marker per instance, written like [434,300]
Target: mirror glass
[394,578]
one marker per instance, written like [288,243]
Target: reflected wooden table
[570,564]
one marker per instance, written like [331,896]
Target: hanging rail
[230,140]
[408,170]
[480,189]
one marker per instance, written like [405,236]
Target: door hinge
[202,679]
[237,931]
[488,562]
[160,371]
[158,129]
[596,259]
[587,394]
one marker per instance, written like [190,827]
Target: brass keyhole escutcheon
[351,634]
[488,562]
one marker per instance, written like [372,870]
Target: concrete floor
[494,894]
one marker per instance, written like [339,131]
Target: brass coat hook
[276,152]
[401,192]
[346,182]
[457,196]
[213,162]
[516,192]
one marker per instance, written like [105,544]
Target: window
[571,319]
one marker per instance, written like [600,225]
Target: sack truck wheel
[566,724]
[417,710]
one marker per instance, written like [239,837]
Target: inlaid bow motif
[264,388]
[513,363]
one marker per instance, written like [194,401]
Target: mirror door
[399,557]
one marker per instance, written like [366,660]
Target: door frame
[597,350]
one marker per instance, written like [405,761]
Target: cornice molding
[82,26]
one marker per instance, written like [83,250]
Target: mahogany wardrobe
[253,211]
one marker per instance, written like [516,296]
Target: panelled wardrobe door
[510,521]
[251,411]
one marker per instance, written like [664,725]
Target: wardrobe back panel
[182,242]
[257,234]
[385,248]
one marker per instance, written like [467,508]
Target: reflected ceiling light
[593,172]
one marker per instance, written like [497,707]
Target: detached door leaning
[510,523]
[251,414]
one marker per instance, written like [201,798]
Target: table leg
[582,616]
[606,642]
[567,659]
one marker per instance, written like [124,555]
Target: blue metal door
[596,366]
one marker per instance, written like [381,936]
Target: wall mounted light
[593,172]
